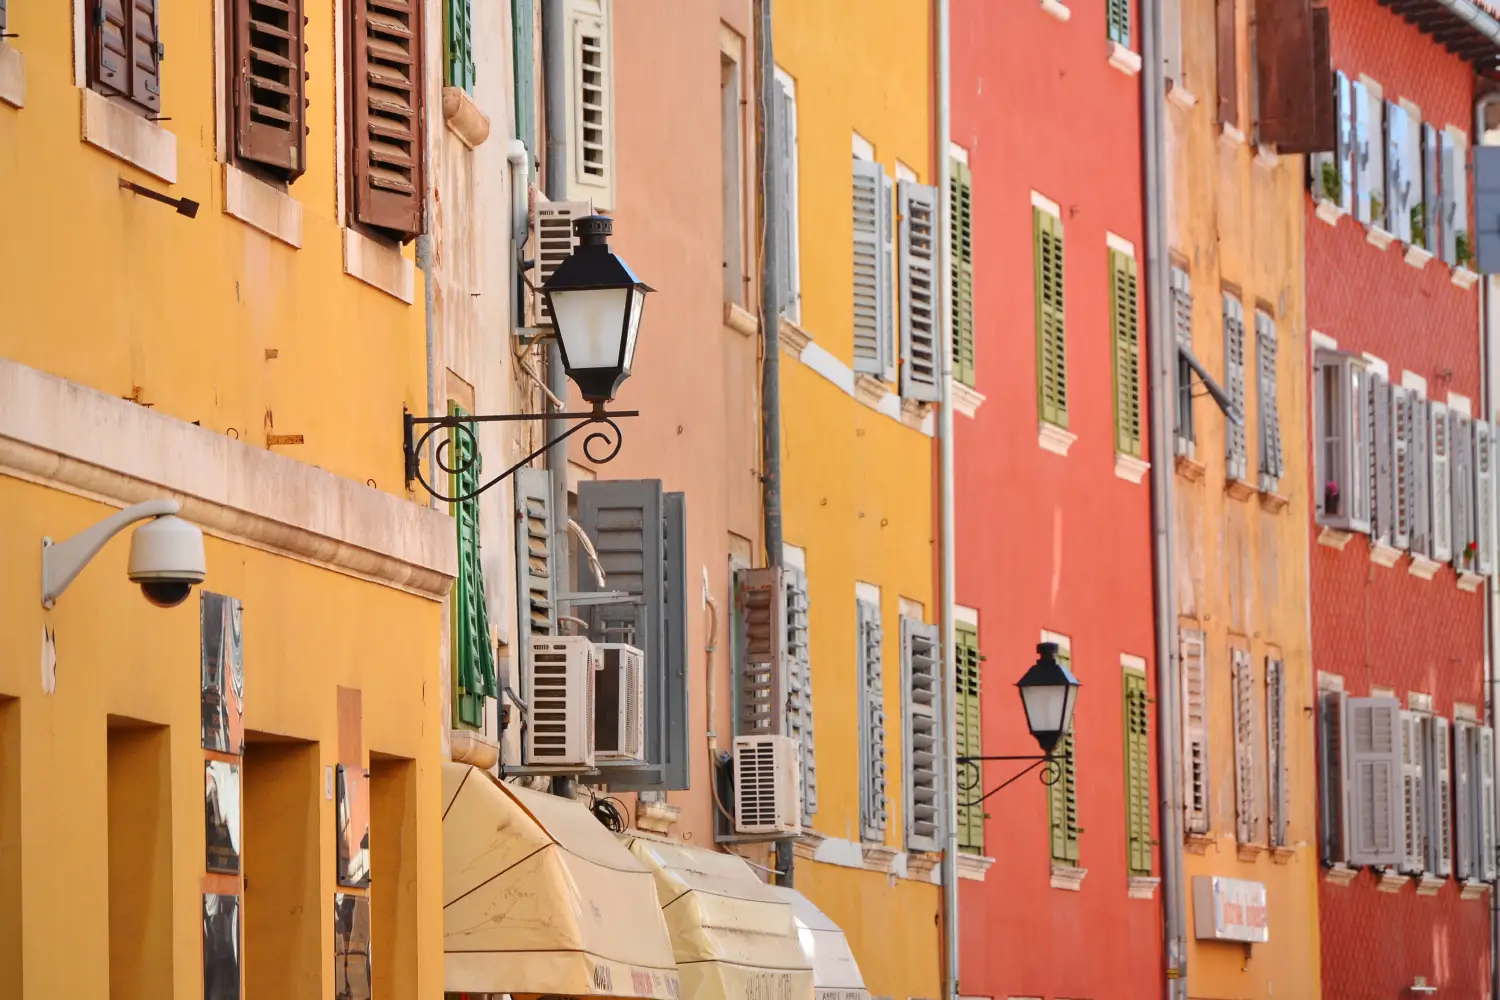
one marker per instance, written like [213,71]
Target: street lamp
[596,303]
[1048,693]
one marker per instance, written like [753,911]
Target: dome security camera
[166,560]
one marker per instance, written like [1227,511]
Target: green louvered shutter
[961,264]
[523,47]
[1062,797]
[458,44]
[1126,334]
[966,740]
[1051,341]
[474,673]
[1119,22]
[1137,773]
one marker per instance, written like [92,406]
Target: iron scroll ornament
[454,459]
[970,774]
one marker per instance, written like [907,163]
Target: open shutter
[920,363]
[1447,204]
[1287,76]
[1347,158]
[1119,21]
[1372,800]
[799,707]
[145,55]
[1463,798]
[1137,773]
[1382,495]
[1440,486]
[458,44]
[961,266]
[1419,479]
[386,98]
[869,273]
[1194,730]
[922,739]
[784,158]
[1125,330]
[1397,183]
[591,101]
[523,49]
[1432,224]
[760,682]
[473,655]
[1361,151]
[1484,497]
[110,35]
[1333,815]
[1276,765]
[1486,180]
[1440,798]
[1226,34]
[871,724]
[1461,457]
[1484,801]
[1271,463]
[1246,813]
[1456,191]
[1063,805]
[269,83]
[536,587]
[1182,328]
[2,15]
[1401,459]
[1413,796]
[1051,337]
[1236,455]
[888,324]
[966,738]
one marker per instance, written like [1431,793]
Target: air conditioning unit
[766,796]
[560,706]
[619,702]
[552,242]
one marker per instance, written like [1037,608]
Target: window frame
[1341,445]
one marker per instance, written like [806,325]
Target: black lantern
[1048,692]
[596,305]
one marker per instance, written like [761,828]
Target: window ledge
[1124,60]
[1141,886]
[806,846]
[122,133]
[1392,881]
[1055,439]
[1198,843]
[1418,257]
[1282,855]
[1470,581]
[740,320]
[1249,852]
[920,865]
[379,266]
[1267,158]
[1056,9]
[1180,95]
[657,817]
[1340,874]
[1334,538]
[1330,212]
[966,399]
[870,390]
[1473,890]
[879,857]
[1429,885]
[1067,877]
[793,338]
[261,206]
[1238,489]
[469,746]
[1231,135]
[1385,555]
[1130,468]
[1190,468]
[464,118]
[12,76]
[1464,278]
[1271,501]
[973,866]
[1378,238]
[916,414]
[1423,568]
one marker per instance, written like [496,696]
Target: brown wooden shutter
[1325,137]
[1296,91]
[109,45]
[386,99]
[269,83]
[1228,62]
[145,55]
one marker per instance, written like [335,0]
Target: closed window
[873,274]
[732,180]
[1062,794]
[474,653]
[783,151]
[458,44]
[1184,435]
[961,264]
[1236,452]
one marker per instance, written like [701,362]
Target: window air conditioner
[766,798]
[619,702]
[560,689]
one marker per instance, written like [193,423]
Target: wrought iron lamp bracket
[970,773]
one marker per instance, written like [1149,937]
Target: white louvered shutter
[591,101]
[1440,798]
[917,207]
[1463,798]
[871,724]
[1382,505]
[1419,482]
[552,242]
[922,738]
[1461,466]
[1484,496]
[1372,794]
[1271,464]
[1246,813]
[1195,731]
[784,151]
[1182,328]
[799,707]
[1440,486]
[1234,379]
[1333,814]
[1397,181]
[1276,769]
[887,279]
[1484,801]
[1413,799]
[869,318]
[537,589]
[1401,458]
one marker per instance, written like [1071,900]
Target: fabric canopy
[734,938]
[836,974]
[538,897]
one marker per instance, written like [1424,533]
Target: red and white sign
[1229,909]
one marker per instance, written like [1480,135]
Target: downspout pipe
[770,328]
[946,572]
[1162,353]
[555,116]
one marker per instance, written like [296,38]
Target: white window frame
[1350,461]
[793,310]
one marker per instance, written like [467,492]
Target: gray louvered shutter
[1462,490]
[1361,152]
[887,278]
[2,15]
[1382,507]
[761,682]
[1182,327]
[1401,460]
[1483,466]
[1419,480]
[1271,463]
[1195,730]
[1431,203]
[1439,798]
[1413,797]
[1440,483]
[1483,777]
[1372,794]
[872,813]
[1333,815]
[1447,205]
[1347,156]
[1246,814]
[676,774]
[1396,183]
[869,273]
[1276,769]
[1463,812]
[1234,383]
[536,589]
[922,734]
[783,153]
[1486,181]
[917,206]
[799,708]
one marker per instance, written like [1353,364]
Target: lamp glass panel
[633,327]
[1045,705]
[590,323]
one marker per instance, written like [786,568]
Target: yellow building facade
[858,467]
[170,777]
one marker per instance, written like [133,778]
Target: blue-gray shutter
[1419,478]
[870,278]
[1463,792]
[523,49]
[917,211]
[1462,492]
[536,587]
[1397,183]
[1401,466]
[799,702]
[1382,494]
[922,735]
[1271,463]
[783,153]
[872,812]
[1372,794]
[1440,483]
[1431,202]
[1347,160]
[1276,760]
[1332,814]
[1484,496]
[1448,204]
[887,278]
[1483,780]
[1487,208]
[1363,183]
[1234,383]
[1439,797]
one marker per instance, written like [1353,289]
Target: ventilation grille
[765,785]
[561,699]
[619,720]
[552,242]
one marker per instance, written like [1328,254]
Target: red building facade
[1053,508]
[1397,614]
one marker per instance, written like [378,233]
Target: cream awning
[734,938]
[538,897]
[836,974]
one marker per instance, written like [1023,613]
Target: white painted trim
[1460,404]
[1464,710]
[905,173]
[861,387]
[12,76]
[912,609]
[221,84]
[1041,201]
[1417,257]
[1131,662]
[1119,243]
[890,405]
[1327,343]
[867,592]
[379,266]
[1418,702]
[1063,642]
[864,149]
[1330,682]
[72,438]
[1412,380]
[80,44]
[966,616]
[1377,365]
[1381,691]
[794,556]
[262,206]
[820,360]
[120,132]
[959,153]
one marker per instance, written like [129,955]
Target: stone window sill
[1423,568]
[1473,890]
[1384,555]
[1272,502]
[793,338]
[1056,9]
[1055,439]
[1130,468]
[1378,237]
[1329,212]
[1429,885]
[1190,468]
[740,320]
[1231,135]
[1239,489]
[1068,877]
[966,399]
[1141,887]
[1334,538]
[1198,843]
[262,206]
[973,866]
[1124,60]
[1464,278]
[1417,257]
[12,76]
[122,133]
[1340,874]
[464,118]
[1392,881]
[379,266]
[1180,95]
[1470,582]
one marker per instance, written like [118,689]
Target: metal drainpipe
[1492,592]
[1162,352]
[555,114]
[945,500]
[770,326]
